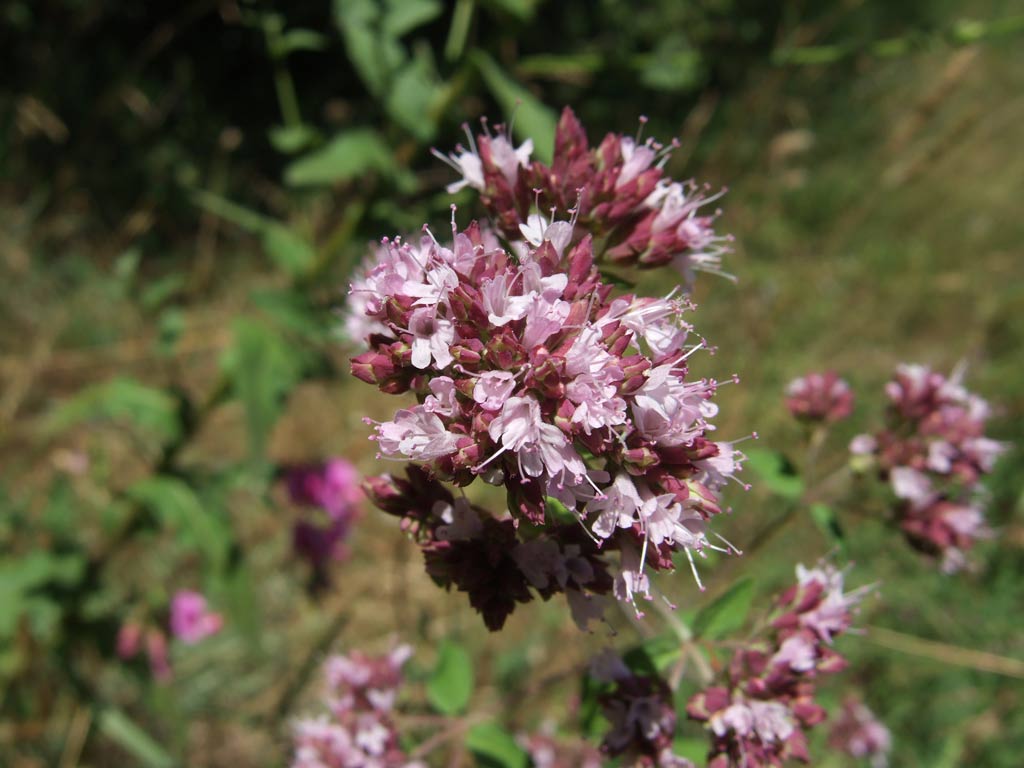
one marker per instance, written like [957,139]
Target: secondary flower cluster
[332,487]
[758,715]
[359,731]
[618,189]
[934,452]
[819,397]
[641,714]
[532,376]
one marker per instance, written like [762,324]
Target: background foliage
[184,188]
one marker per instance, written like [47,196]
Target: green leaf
[289,251]
[727,613]
[178,507]
[151,411]
[558,512]
[289,139]
[374,55]
[827,521]
[494,747]
[263,367]
[123,731]
[347,156]
[412,97]
[297,40]
[776,472]
[521,9]
[403,16]
[674,65]
[451,683]
[654,655]
[240,216]
[532,118]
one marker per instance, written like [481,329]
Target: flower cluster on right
[934,452]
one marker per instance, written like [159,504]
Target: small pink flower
[191,621]
[819,397]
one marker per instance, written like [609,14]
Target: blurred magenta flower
[191,619]
[333,487]
[819,397]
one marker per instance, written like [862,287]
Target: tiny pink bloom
[493,388]
[432,338]
[191,621]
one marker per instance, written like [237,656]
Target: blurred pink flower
[191,621]
[819,397]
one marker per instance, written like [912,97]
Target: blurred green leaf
[263,367]
[558,512]
[532,119]
[178,507]
[347,156]
[727,613]
[374,55]
[240,216]
[654,655]
[289,251]
[827,521]
[151,411]
[289,139]
[403,16]
[592,721]
[412,97]
[161,290]
[123,731]
[297,40]
[494,747]
[521,9]
[776,472]
[673,65]
[292,311]
[20,577]
[450,685]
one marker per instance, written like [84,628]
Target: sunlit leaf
[347,156]
[775,472]
[727,613]
[450,685]
[494,747]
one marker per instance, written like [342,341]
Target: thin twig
[981,661]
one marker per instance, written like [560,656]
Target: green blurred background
[184,188]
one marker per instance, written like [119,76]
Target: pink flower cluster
[819,397]
[334,488]
[758,715]
[618,189]
[531,375]
[641,714]
[934,452]
[358,731]
[860,734]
